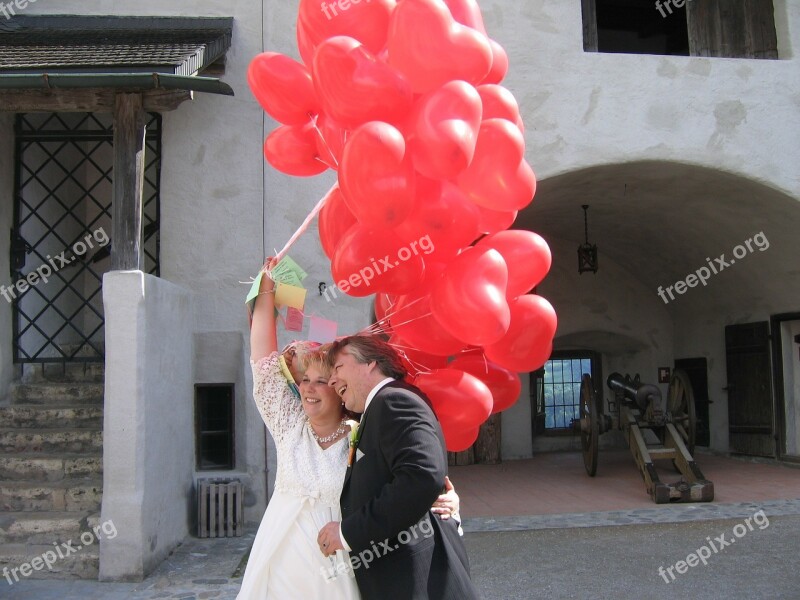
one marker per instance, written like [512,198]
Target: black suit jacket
[399,549]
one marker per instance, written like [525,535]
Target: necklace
[324,440]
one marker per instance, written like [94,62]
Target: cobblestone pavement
[613,554]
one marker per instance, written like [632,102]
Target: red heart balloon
[458,440]
[413,322]
[529,341]
[467,12]
[445,130]
[505,385]
[354,87]
[292,149]
[376,175]
[469,301]
[492,221]
[499,103]
[527,256]
[499,178]
[304,44]
[499,64]
[444,222]
[415,360]
[367,261]
[365,20]
[283,87]
[458,398]
[429,47]
[335,219]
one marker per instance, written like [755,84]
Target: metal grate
[219,508]
[62,226]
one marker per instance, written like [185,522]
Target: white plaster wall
[791,385]
[583,109]
[219,358]
[516,427]
[148,453]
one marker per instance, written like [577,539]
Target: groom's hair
[368,348]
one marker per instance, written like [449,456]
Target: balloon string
[378,326]
[324,141]
[301,230]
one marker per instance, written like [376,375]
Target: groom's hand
[328,539]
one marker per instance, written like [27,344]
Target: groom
[398,549]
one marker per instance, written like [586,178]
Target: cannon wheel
[589,425]
[680,404]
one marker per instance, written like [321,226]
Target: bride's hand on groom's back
[448,503]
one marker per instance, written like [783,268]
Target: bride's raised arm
[263,335]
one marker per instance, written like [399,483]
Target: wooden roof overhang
[123,65]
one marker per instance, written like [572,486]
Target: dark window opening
[637,27]
[718,28]
[214,427]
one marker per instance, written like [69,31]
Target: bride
[311,439]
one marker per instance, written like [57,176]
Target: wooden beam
[129,132]
[85,100]
[589,14]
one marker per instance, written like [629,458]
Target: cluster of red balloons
[403,99]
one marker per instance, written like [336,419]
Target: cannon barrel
[644,394]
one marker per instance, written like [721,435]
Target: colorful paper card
[290,295]
[250,301]
[288,271]
[293,320]
[322,330]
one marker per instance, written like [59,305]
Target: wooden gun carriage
[640,407]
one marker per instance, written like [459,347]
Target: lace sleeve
[279,407]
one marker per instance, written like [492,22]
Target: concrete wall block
[148,461]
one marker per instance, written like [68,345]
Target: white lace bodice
[304,469]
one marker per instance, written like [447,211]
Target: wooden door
[750,411]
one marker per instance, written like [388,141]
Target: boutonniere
[355,436]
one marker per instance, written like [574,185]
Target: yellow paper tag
[289,295]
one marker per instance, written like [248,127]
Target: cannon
[640,406]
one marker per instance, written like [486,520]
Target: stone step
[49,467]
[57,393]
[25,561]
[37,416]
[63,372]
[50,527]
[71,496]
[58,441]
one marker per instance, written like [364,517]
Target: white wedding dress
[285,561]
